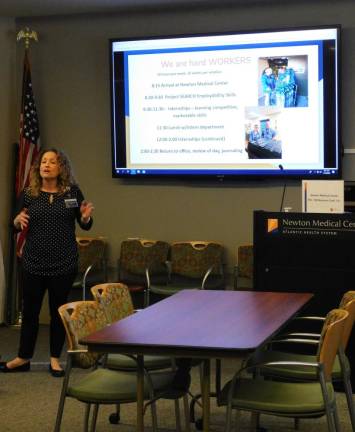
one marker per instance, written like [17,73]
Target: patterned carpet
[28,401]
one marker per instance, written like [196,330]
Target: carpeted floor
[28,401]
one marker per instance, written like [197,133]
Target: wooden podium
[307,252]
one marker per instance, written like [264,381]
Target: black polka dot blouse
[50,248]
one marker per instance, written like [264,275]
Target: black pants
[33,290]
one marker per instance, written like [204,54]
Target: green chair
[192,265]
[341,369]
[102,385]
[92,264]
[292,399]
[117,303]
[137,255]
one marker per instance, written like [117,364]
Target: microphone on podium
[284,190]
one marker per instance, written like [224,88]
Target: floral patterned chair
[92,263]
[115,299]
[192,265]
[243,271]
[117,303]
[136,256]
[102,385]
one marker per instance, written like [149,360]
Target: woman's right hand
[22,219]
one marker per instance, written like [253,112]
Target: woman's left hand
[86,210]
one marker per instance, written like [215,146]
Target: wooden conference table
[202,324]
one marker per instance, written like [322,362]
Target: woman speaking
[48,209]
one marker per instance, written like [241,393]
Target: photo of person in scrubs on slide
[283,81]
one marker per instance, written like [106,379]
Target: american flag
[29,145]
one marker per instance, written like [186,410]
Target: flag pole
[11,296]
[14,315]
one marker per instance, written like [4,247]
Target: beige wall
[71,84]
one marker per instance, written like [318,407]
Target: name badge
[71,203]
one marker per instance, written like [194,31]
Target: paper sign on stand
[323,196]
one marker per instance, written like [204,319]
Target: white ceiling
[33,8]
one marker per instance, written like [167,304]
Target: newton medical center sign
[311,224]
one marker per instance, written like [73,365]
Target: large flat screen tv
[234,105]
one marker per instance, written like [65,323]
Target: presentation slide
[228,105]
[220,106]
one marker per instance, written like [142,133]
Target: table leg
[140,393]
[206,370]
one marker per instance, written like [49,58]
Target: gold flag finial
[27,34]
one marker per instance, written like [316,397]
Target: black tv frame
[332,111]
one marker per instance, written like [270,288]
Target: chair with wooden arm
[102,385]
[292,399]
[116,300]
[283,349]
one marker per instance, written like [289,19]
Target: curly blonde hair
[65,179]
